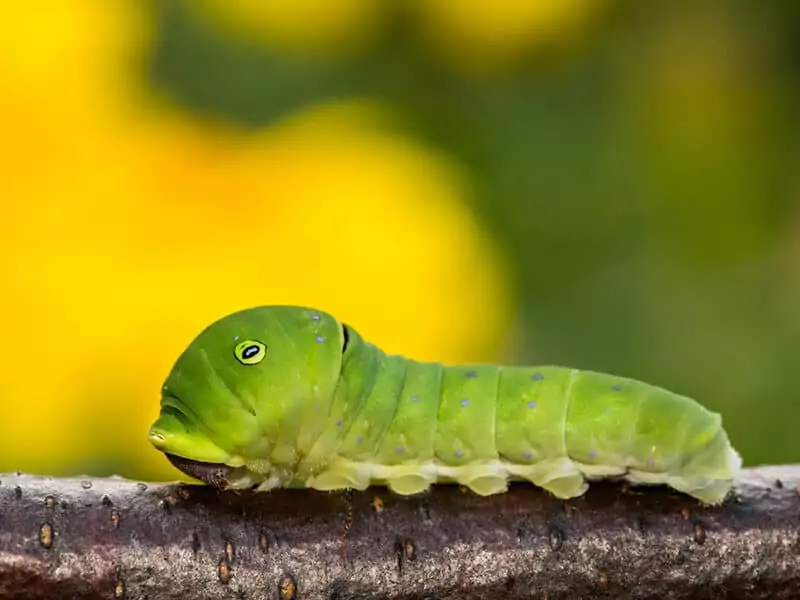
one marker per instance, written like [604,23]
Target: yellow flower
[297,25]
[125,231]
[351,220]
[477,36]
[69,57]
[124,236]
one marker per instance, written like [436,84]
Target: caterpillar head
[249,394]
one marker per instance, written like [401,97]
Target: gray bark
[113,538]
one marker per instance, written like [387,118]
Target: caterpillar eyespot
[250,352]
[336,412]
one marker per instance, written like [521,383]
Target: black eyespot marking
[250,351]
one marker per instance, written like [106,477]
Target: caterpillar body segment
[289,397]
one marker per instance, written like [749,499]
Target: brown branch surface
[113,538]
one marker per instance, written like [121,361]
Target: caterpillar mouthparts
[215,474]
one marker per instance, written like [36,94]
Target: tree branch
[107,538]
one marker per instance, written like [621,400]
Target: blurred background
[605,184]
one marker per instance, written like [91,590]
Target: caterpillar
[287,396]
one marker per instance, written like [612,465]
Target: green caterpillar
[283,396]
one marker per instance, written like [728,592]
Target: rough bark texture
[113,538]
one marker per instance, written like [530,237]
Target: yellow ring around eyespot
[251,359]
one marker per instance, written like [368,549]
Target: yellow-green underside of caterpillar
[562,477]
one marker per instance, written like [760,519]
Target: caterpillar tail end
[714,486]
